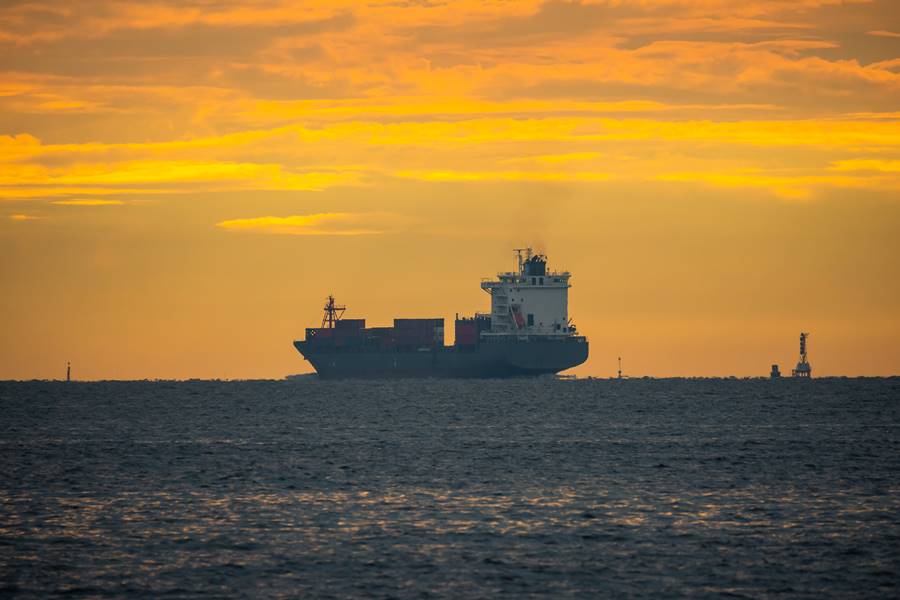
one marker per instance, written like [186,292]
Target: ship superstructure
[527,332]
[531,300]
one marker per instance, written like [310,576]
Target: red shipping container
[466,333]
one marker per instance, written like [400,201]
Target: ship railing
[520,277]
[502,337]
[547,273]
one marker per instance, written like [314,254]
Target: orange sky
[183,182]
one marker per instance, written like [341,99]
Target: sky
[182,183]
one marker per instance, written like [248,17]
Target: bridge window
[542,281]
[530,320]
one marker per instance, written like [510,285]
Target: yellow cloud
[443,175]
[790,187]
[342,224]
[861,164]
[38,191]
[88,202]
[19,180]
[450,106]
[302,157]
[20,217]
[212,156]
[567,157]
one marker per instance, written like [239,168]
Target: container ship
[527,332]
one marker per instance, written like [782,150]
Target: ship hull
[506,358]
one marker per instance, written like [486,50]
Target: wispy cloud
[280,98]
[21,179]
[883,33]
[23,217]
[299,157]
[445,175]
[866,164]
[787,186]
[338,224]
[88,202]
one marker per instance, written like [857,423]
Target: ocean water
[518,488]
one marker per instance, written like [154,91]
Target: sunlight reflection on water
[659,488]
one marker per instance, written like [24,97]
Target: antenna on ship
[333,313]
[519,252]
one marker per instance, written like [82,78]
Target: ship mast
[333,313]
[520,261]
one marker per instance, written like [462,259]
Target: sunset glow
[183,183]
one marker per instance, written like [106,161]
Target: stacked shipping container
[348,333]
[381,338]
[419,333]
[405,334]
[468,331]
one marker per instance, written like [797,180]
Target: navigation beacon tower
[803,368]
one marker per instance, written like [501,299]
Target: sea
[521,488]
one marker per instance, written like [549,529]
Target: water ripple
[653,488]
